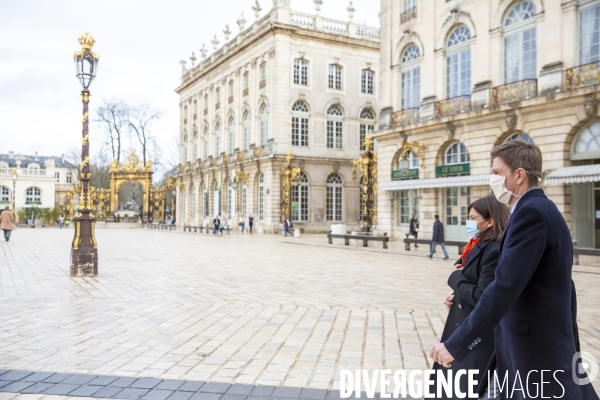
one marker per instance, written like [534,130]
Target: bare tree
[140,122]
[169,161]
[114,122]
[99,169]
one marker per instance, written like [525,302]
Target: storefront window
[408,204]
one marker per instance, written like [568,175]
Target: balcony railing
[408,15]
[521,90]
[405,117]
[584,75]
[452,106]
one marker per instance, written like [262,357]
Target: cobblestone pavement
[250,310]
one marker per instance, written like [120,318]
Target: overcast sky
[140,43]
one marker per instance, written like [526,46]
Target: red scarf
[472,243]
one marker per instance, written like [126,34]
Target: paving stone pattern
[263,311]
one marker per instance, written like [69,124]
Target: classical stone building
[461,77]
[290,82]
[39,179]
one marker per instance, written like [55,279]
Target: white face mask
[497,183]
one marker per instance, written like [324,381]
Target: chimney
[11,154]
[36,156]
[62,160]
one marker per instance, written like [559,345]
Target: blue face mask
[472,229]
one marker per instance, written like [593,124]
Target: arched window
[217,199]
[335,128]
[195,147]
[261,198]
[520,51]
[456,154]
[521,136]
[33,195]
[218,144]
[300,112]
[231,135]
[206,143]
[244,199]
[247,130]
[589,34]
[4,195]
[334,197]
[367,125]
[300,199]
[206,201]
[411,78]
[186,156]
[458,58]
[586,145]
[193,205]
[264,124]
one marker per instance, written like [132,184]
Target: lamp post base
[84,263]
[84,252]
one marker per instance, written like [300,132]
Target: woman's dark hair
[489,207]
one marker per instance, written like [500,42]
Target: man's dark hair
[489,207]
[520,154]
[436,216]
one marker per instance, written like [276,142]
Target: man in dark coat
[531,304]
[413,228]
[438,237]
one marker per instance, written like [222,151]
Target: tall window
[456,154]
[33,195]
[589,35]
[195,108]
[335,131]
[231,201]
[367,81]
[300,72]
[300,197]
[367,124]
[244,199]
[247,130]
[264,124]
[185,115]
[206,201]
[57,176]
[69,177]
[408,205]
[409,4]
[230,91]
[520,52]
[193,205]
[459,62]
[218,98]
[261,198]
[411,78]
[263,74]
[217,199]
[335,77]
[246,83]
[218,144]
[205,104]
[300,124]
[195,147]
[4,195]
[231,135]
[334,197]
[206,146]
[186,156]
[183,206]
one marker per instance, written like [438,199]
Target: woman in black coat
[471,275]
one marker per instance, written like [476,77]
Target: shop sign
[400,174]
[456,169]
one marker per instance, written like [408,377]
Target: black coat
[531,305]
[438,232]
[468,285]
[414,225]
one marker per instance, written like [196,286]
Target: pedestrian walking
[7,222]
[531,305]
[413,228]
[250,223]
[217,224]
[59,221]
[286,227]
[438,237]
[242,223]
[470,276]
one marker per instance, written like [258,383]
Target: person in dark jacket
[531,305]
[250,223]
[438,237]
[470,276]
[217,224]
[413,229]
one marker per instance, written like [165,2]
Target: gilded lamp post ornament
[367,165]
[84,249]
[290,177]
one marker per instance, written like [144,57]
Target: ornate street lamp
[14,178]
[84,249]
[290,177]
[367,164]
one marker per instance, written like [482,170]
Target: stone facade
[291,82]
[39,178]
[484,72]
